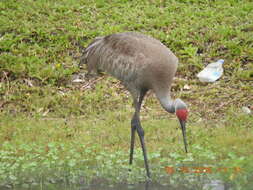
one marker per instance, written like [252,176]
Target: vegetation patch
[55,131]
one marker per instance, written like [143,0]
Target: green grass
[56,149]
[52,127]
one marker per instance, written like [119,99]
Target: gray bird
[141,63]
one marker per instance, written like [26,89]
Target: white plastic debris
[211,72]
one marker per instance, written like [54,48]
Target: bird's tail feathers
[87,50]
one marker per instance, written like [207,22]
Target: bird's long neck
[167,103]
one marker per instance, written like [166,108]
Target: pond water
[103,185]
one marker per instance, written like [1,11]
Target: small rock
[77,80]
[246,110]
[186,87]
[61,93]
[29,83]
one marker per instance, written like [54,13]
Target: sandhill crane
[141,63]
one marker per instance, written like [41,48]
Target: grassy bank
[50,126]
[75,150]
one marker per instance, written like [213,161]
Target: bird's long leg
[133,129]
[140,132]
[137,106]
[136,125]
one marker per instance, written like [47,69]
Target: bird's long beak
[182,123]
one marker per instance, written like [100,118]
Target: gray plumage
[141,63]
[137,60]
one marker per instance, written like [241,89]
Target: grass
[77,148]
[52,127]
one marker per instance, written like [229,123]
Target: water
[214,185]
[100,184]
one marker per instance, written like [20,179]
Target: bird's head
[182,113]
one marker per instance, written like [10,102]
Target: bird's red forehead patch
[182,114]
